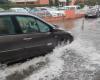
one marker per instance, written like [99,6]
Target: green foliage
[92,2]
[68,0]
[56,2]
[53,2]
[4,6]
[81,5]
[3,1]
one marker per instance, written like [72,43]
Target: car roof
[17,13]
[14,13]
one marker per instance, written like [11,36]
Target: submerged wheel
[66,39]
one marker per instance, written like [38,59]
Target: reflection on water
[90,29]
[67,24]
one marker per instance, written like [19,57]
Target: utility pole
[50,3]
[26,3]
[82,24]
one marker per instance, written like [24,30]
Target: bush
[81,5]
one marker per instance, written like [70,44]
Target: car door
[11,42]
[37,38]
[50,37]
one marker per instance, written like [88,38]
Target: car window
[27,24]
[43,27]
[6,25]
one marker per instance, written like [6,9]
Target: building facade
[30,1]
[61,2]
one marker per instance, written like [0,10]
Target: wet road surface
[79,60]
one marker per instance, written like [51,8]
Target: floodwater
[79,60]
[83,28]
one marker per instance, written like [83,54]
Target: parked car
[53,11]
[21,10]
[98,12]
[92,13]
[40,13]
[72,7]
[24,36]
[27,9]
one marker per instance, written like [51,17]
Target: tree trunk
[56,2]
[50,3]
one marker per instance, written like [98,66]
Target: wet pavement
[79,60]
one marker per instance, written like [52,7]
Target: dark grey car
[24,36]
[92,13]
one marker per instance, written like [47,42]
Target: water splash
[76,61]
[81,61]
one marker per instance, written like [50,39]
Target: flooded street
[79,60]
[84,60]
[87,29]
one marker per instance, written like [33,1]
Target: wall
[43,1]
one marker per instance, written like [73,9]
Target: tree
[3,1]
[56,2]
[98,2]
[92,2]
[5,4]
[50,2]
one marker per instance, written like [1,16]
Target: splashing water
[82,61]
[76,61]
